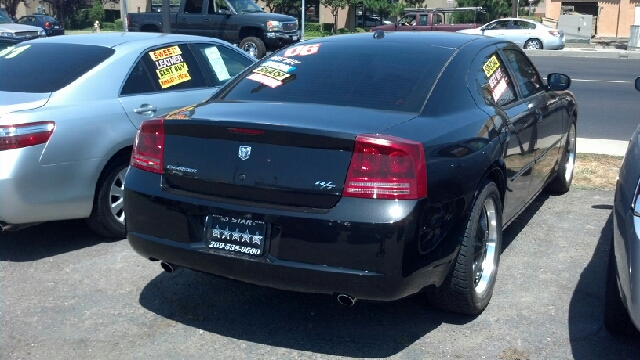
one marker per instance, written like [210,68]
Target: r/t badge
[244,152]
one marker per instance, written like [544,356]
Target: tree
[384,8]
[97,12]
[494,9]
[335,6]
[10,6]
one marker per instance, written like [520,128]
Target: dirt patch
[513,354]
[595,171]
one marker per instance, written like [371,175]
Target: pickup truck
[240,22]
[435,19]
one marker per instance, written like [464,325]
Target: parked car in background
[50,25]
[527,34]
[430,19]
[298,176]
[67,125]
[368,21]
[241,22]
[7,41]
[8,28]
[622,288]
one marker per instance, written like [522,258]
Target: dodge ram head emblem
[244,152]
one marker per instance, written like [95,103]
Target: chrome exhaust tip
[346,300]
[168,267]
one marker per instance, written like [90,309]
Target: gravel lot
[66,293]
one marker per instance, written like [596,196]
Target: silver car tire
[107,217]
[254,46]
[616,316]
[469,285]
[533,44]
[561,183]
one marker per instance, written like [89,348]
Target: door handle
[145,109]
[206,20]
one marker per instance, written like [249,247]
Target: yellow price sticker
[490,66]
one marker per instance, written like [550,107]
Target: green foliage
[384,8]
[96,12]
[308,27]
[118,24]
[328,27]
[494,9]
[81,20]
[109,26]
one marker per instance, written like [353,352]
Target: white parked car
[8,28]
[527,34]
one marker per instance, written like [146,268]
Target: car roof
[451,40]
[119,38]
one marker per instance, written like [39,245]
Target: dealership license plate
[237,235]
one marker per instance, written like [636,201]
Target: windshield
[245,6]
[4,18]
[324,73]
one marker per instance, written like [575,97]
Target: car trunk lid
[291,155]
[19,101]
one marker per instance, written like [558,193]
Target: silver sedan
[622,289]
[527,34]
[70,107]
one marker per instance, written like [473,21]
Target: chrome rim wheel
[571,154]
[485,255]
[251,49]
[533,44]
[116,196]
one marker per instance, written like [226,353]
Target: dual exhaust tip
[343,299]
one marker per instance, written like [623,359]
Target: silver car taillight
[555,33]
[23,135]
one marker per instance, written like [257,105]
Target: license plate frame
[237,235]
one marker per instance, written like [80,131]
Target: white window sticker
[217,63]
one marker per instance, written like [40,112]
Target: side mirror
[557,81]
[638,83]
[225,12]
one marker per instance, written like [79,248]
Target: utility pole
[166,17]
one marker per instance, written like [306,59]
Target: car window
[496,25]
[174,67]
[64,64]
[519,24]
[437,19]
[493,81]
[424,20]
[408,19]
[362,77]
[139,81]
[223,62]
[193,6]
[526,75]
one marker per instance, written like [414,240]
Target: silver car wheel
[571,154]
[251,49]
[485,256]
[533,44]
[116,196]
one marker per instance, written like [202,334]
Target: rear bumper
[366,252]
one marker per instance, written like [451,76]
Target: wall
[615,18]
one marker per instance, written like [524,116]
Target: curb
[601,146]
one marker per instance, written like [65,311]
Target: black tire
[468,287]
[561,182]
[533,44]
[107,217]
[616,316]
[254,47]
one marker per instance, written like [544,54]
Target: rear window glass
[42,68]
[392,76]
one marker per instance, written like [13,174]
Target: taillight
[47,25]
[148,149]
[555,33]
[386,167]
[23,135]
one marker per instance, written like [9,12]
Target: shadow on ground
[46,240]
[589,339]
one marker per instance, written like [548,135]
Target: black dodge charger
[369,166]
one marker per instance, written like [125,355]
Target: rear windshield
[393,76]
[43,68]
